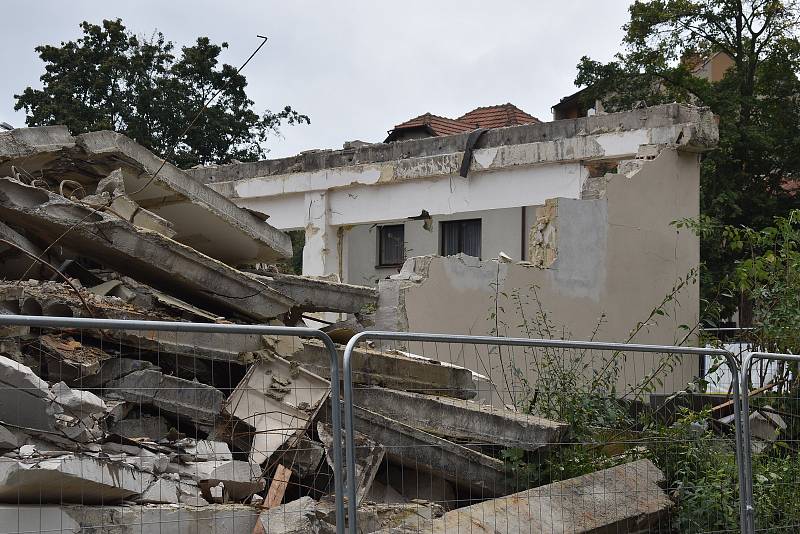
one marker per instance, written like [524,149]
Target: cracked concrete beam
[625,498]
[392,370]
[314,295]
[460,420]
[141,254]
[406,445]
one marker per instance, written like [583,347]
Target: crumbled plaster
[542,244]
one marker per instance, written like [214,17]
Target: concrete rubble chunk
[165,490]
[78,403]
[296,517]
[392,370]
[144,255]
[444,459]
[303,457]
[110,196]
[67,359]
[369,458]
[373,517]
[461,420]
[129,519]
[228,480]
[116,368]
[69,478]
[625,498]
[25,399]
[183,398]
[8,440]
[278,399]
[143,426]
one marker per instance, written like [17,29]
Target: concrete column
[321,252]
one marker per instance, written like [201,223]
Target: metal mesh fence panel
[771,414]
[154,427]
[471,434]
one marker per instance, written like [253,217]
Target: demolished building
[130,430]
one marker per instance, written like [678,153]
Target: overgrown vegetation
[751,177]
[610,424]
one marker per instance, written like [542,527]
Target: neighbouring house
[430,125]
[711,67]
[580,208]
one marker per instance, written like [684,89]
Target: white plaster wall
[358,203]
[501,230]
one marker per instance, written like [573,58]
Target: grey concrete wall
[617,256]
[501,230]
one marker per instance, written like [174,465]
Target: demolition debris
[135,431]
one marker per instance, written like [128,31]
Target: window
[391,245]
[461,236]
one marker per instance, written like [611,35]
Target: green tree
[111,79]
[757,102]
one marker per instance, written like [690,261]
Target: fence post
[744,378]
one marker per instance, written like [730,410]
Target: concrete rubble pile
[140,431]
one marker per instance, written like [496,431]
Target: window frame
[380,246]
[461,224]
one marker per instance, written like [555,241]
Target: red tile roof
[436,124]
[497,116]
[485,117]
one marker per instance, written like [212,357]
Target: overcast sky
[355,67]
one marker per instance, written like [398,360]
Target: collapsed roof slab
[142,254]
[202,218]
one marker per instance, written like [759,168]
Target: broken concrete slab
[69,479]
[182,398]
[129,519]
[392,370]
[462,420]
[278,399]
[144,255]
[369,458]
[143,426]
[230,233]
[406,445]
[625,498]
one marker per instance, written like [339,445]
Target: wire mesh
[148,427]
[771,414]
[466,434]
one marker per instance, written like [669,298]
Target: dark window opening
[391,245]
[461,237]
